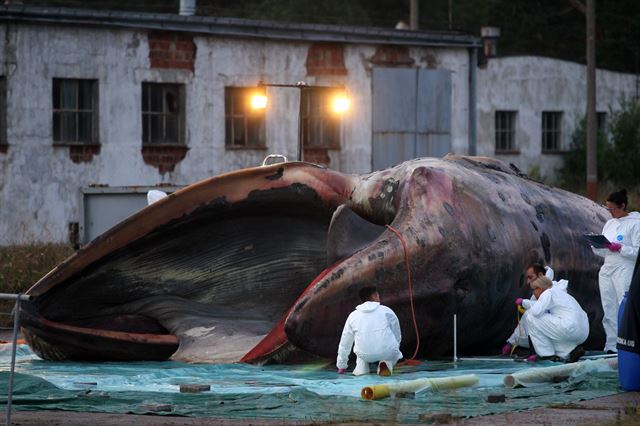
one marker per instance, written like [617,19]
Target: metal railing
[16,327]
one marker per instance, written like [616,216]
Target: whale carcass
[264,264]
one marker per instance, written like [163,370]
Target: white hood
[368,306]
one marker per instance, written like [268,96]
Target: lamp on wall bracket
[340,103]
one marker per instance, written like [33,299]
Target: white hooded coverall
[376,331]
[617,270]
[520,336]
[557,323]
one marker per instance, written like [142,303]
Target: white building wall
[40,185]
[531,85]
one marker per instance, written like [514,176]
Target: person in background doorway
[557,324]
[155,195]
[623,231]
[375,330]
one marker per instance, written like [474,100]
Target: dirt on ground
[622,409]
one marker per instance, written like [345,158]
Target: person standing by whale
[623,231]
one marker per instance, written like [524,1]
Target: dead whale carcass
[252,264]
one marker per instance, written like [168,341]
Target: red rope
[413,312]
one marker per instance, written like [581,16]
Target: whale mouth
[202,285]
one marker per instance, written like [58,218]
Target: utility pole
[413,14]
[592,137]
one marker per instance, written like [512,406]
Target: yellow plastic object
[375,392]
[435,384]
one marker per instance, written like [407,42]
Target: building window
[602,122]
[244,125]
[320,125]
[505,131]
[75,111]
[162,114]
[3,113]
[551,131]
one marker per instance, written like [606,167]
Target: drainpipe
[473,66]
[187,7]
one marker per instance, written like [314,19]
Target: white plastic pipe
[455,338]
[434,384]
[551,374]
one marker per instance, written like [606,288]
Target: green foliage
[618,158]
[574,172]
[22,266]
[623,159]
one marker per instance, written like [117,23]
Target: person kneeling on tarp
[557,324]
[376,331]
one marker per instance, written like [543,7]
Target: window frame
[148,114]
[505,134]
[252,121]
[58,112]
[602,122]
[321,120]
[551,132]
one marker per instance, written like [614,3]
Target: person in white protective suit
[155,195]
[623,231]
[520,335]
[557,324]
[375,330]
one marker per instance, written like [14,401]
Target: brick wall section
[392,56]
[171,50]
[164,157]
[83,153]
[326,59]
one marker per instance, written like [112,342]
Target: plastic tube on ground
[551,374]
[435,384]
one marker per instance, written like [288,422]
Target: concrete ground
[622,409]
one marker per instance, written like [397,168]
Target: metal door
[411,114]
[104,207]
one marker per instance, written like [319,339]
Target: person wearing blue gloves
[623,231]
[375,330]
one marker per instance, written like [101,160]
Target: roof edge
[235,27]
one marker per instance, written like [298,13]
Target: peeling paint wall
[530,85]
[40,184]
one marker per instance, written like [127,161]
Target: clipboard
[597,240]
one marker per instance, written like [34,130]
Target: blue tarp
[303,392]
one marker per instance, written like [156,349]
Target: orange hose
[413,312]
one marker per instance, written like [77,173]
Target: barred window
[163,114]
[551,131]
[602,122]
[320,124]
[244,125]
[505,131]
[75,106]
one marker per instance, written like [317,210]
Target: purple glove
[615,246]
[532,358]
[519,301]
[506,349]
[340,370]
